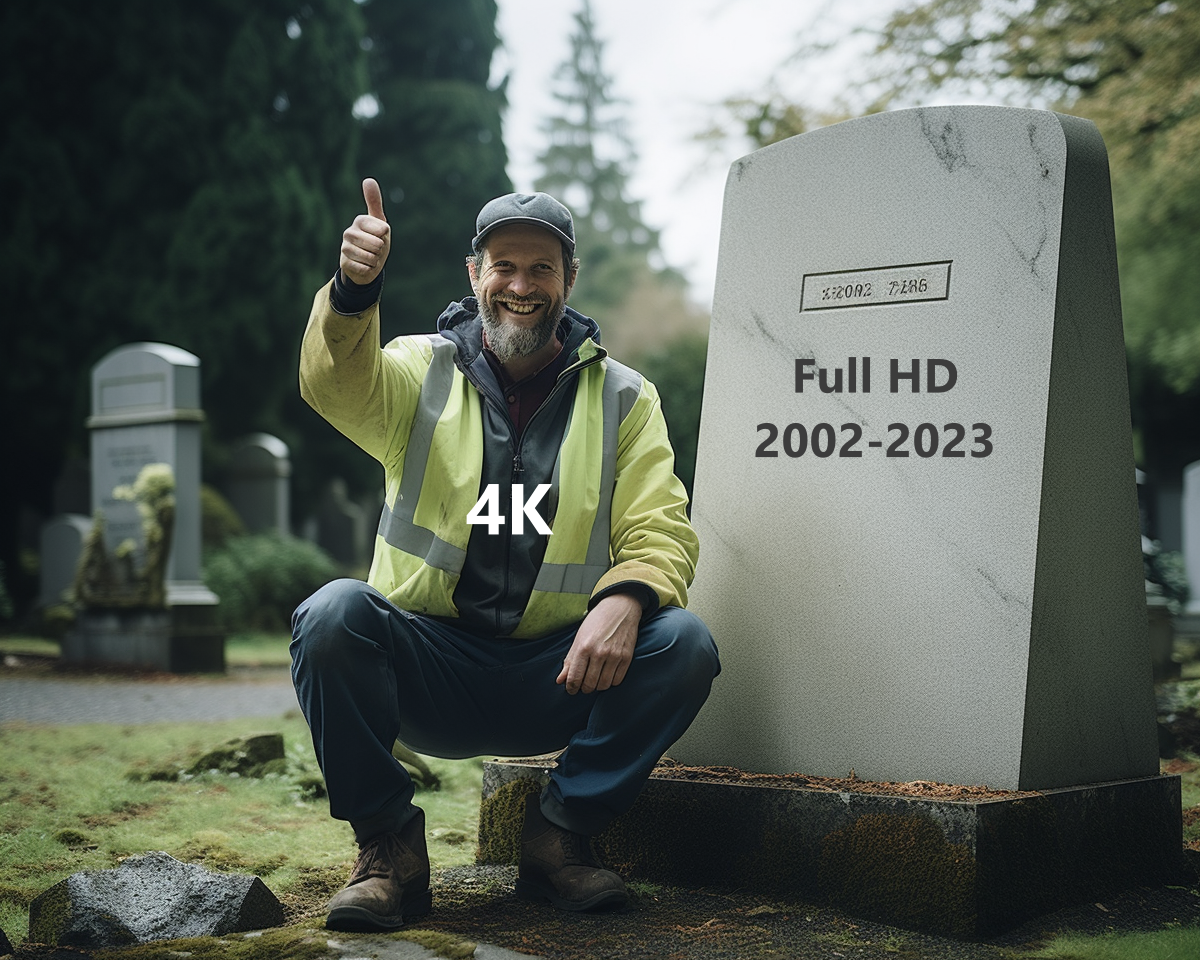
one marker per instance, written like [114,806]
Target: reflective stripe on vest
[621,388]
[396,525]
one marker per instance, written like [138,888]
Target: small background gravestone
[60,548]
[146,410]
[339,526]
[1190,522]
[258,486]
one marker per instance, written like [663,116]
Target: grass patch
[258,650]
[71,799]
[1174,943]
[29,646]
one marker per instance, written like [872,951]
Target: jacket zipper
[516,443]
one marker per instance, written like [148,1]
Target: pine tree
[586,164]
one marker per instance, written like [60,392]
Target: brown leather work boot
[389,883]
[559,866]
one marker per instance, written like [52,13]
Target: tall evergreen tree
[587,164]
[434,145]
[169,173]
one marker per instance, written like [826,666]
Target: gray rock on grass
[147,898]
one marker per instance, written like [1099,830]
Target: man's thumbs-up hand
[368,240]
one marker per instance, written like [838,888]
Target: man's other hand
[603,647]
[368,240]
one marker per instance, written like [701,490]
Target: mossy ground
[76,798]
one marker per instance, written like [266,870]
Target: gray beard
[508,341]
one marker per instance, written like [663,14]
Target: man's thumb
[374,199]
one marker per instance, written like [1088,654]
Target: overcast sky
[674,61]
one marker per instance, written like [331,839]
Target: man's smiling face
[521,289]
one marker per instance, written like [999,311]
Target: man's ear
[571,280]
[472,275]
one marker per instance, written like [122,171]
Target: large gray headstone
[259,490]
[148,898]
[146,409]
[931,571]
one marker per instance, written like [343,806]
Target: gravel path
[56,700]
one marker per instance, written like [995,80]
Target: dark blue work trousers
[368,673]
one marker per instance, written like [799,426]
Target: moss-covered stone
[253,756]
[902,869]
[74,839]
[501,817]
[443,944]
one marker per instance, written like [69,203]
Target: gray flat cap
[540,209]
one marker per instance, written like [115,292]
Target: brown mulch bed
[670,770]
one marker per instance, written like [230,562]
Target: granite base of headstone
[148,898]
[140,639]
[964,868]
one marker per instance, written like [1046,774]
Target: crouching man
[531,566]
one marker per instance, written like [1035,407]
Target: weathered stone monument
[259,489]
[920,553]
[146,410]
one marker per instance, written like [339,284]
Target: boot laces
[376,859]
[577,849]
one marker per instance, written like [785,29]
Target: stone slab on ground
[148,898]
[964,868]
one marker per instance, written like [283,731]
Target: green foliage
[262,578]
[1172,943]
[587,163]
[219,522]
[677,370]
[1168,570]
